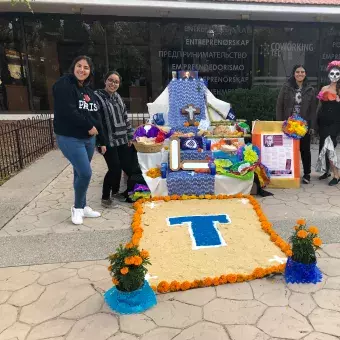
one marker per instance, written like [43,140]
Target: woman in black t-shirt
[297,98]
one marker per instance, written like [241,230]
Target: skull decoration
[334,75]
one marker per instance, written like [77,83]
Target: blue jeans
[79,152]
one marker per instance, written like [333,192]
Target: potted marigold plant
[131,293]
[301,265]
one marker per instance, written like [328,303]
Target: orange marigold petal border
[258,273]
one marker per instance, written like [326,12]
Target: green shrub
[259,102]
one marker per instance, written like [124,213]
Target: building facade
[232,50]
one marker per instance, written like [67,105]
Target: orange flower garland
[175,286]
[267,227]
[185,285]
[163,287]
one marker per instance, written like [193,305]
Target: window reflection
[220,53]
[146,53]
[52,44]
[129,54]
[330,50]
[13,85]
[278,49]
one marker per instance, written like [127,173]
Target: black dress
[329,123]
[329,118]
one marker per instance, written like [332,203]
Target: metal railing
[22,142]
[137,119]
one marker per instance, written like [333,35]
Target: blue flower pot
[297,272]
[134,302]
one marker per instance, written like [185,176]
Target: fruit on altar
[226,130]
[146,140]
[182,134]
[228,148]
[160,137]
[202,171]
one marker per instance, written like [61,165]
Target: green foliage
[133,260]
[259,102]
[304,243]
[27,2]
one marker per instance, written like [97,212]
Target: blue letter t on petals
[203,229]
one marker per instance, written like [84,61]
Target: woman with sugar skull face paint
[329,122]
[297,98]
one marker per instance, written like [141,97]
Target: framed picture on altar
[190,75]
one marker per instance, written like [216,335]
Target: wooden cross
[190,110]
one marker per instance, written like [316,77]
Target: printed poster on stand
[277,153]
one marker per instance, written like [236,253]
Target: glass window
[220,53]
[52,44]
[170,49]
[278,49]
[330,50]
[129,54]
[13,82]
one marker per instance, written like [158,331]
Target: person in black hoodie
[298,98]
[120,154]
[76,125]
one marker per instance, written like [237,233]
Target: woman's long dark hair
[89,79]
[292,80]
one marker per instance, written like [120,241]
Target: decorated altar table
[179,182]
[185,119]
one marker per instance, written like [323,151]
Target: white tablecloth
[158,187]
[231,186]
[146,161]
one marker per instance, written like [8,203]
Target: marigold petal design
[163,286]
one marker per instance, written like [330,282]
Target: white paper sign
[277,154]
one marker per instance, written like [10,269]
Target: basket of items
[149,138]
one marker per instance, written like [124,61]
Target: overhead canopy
[271,10]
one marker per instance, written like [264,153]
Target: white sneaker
[77,215]
[88,212]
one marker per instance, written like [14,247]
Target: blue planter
[297,272]
[134,302]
